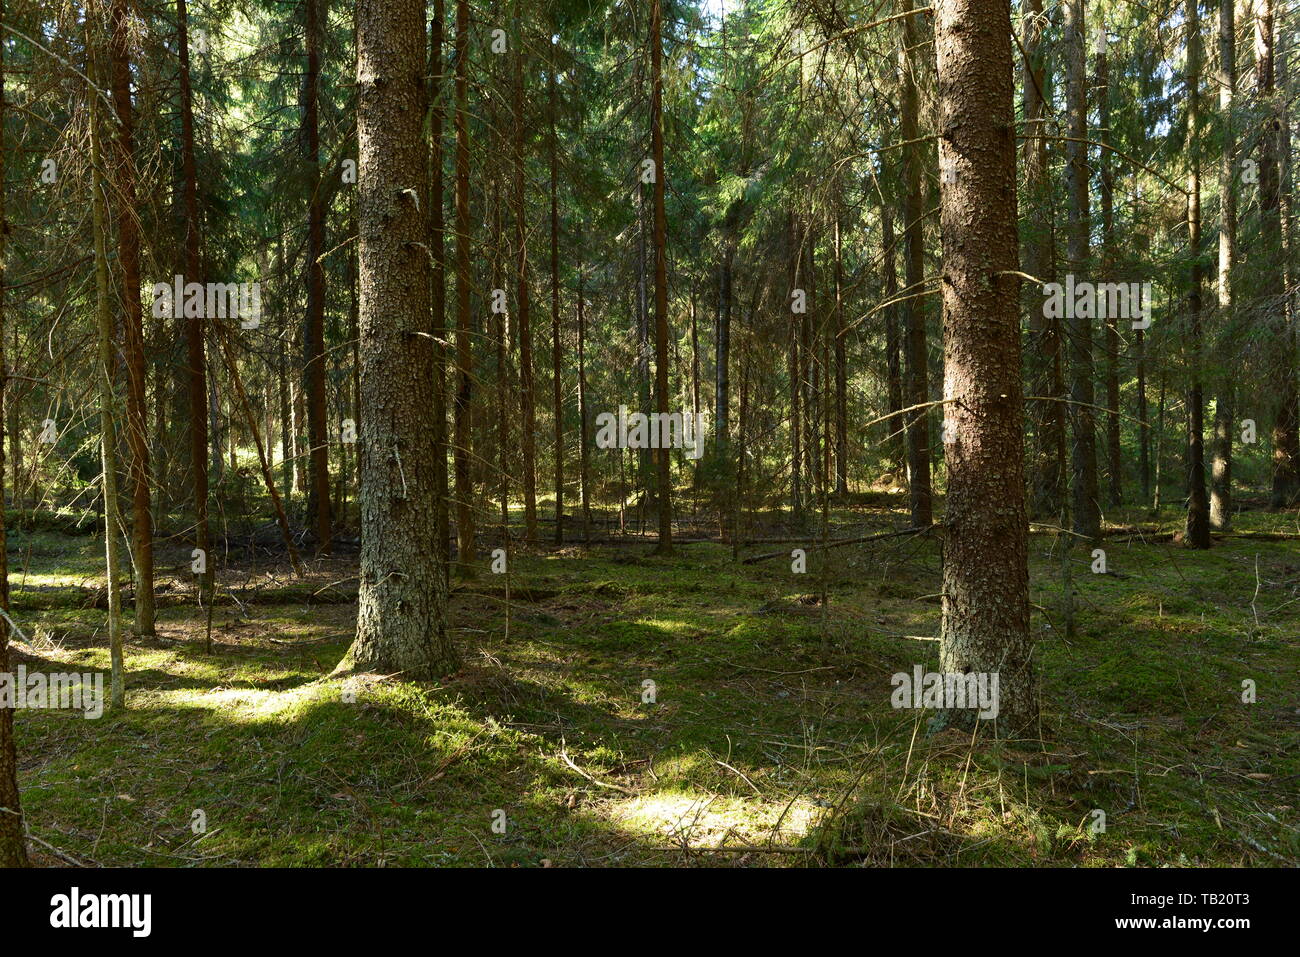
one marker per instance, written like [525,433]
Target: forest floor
[771,739]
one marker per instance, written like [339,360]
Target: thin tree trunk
[841,374]
[318,498]
[582,412]
[463,451]
[194,325]
[722,349]
[664,477]
[1114,462]
[895,446]
[128,239]
[107,399]
[1198,506]
[438,298]
[13,843]
[527,388]
[1087,511]
[915,352]
[1037,256]
[1221,447]
[557,390]
[1286,457]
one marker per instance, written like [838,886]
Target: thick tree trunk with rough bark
[402,606]
[985,558]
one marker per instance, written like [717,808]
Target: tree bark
[194,325]
[894,427]
[313,359]
[107,397]
[557,389]
[128,242]
[463,451]
[985,560]
[1083,454]
[664,471]
[1286,457]
[915,351]
[13,842]
[527,386]
[1221,446]
[1114,460]
[1037,257]
[438,294]
[402,605]
[1198,506]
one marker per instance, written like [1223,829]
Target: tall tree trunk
[107,397]
[1037,257]
[318,496]
[438,296]
[194,325]
[1286,457]
[582,412]
[722,349]
[985,559]
[915,352]
[1114,461]
[557,389]
[1291,400]
[664,460]
[895,446]
[13,843]
[402,605]
[502,334]
[462,452]
[1198,506]
[1221,446]
[527,389]
[796,398]
[841,374]
[1083,455]
[128,240]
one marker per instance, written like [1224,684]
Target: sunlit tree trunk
[402,605]
[985,624]
[1221,446]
